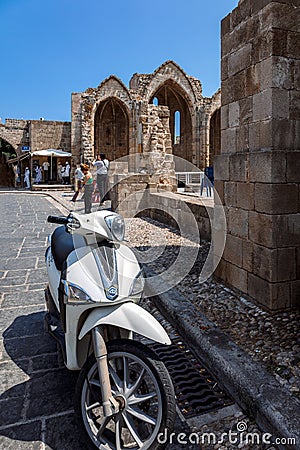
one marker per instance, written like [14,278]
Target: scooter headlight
[75,294]
[137,285]
[116,226]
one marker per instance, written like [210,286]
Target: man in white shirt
[46,171]
[101,165]
[66,174]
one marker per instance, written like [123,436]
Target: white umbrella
[51,152]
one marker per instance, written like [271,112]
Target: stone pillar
[258,172]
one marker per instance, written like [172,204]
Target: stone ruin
[139,124]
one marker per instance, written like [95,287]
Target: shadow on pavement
[40,407]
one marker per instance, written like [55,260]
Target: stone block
[286,264]
[285,134]
[238,222]
[262,105]
[295,105]
[298,263]
[265,263]
[246,110]
[224,67]
[242,141]
[225,117]
[282,16]
[245,196]
[233,250]
[286,230]
[237,277]
[254,136]
[293,47]
[230,193]
[220,271]
[228,140]
[247,255]
[295,294]
[238,85]
[273,296]
[238,167]
[241,13]
[252,81]
[267,167]
[282,73]
[276,198]
[227,91]
[239,60]
[257,5]
[260,229]
[266,139]
[226,25]
[233,114]
[221,167]
[280,103]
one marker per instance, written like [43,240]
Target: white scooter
[124,395]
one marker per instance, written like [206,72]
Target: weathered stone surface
[276,198]
[245,196]
[233,250]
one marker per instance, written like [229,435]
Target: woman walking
[88,187]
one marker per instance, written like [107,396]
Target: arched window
[177,127]
[155,101]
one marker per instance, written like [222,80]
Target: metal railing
[191,179]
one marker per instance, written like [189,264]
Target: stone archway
[170,94]
[111,129]
[7,151]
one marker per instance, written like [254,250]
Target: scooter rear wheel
[142,386]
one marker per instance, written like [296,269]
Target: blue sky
[53,48]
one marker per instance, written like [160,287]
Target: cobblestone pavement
[36,401]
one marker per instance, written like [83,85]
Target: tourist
[78,183]
[38,174]
[101,166]
[88,187]
[66,173]
[46,171]
[27,178]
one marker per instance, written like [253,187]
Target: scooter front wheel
[143,388]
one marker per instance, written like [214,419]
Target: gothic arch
[113,87]
[111,128]
[172,71]
[171,94]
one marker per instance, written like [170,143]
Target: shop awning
[51,152]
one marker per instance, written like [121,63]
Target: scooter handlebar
[58,219]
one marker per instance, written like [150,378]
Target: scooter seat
[63,243]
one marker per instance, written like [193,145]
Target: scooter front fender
[128,316]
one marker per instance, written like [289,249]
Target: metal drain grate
[196,390]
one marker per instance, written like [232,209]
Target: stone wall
[16,133]
[258,172]
[37,134]
[50,134]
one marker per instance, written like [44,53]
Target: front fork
[110,405]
